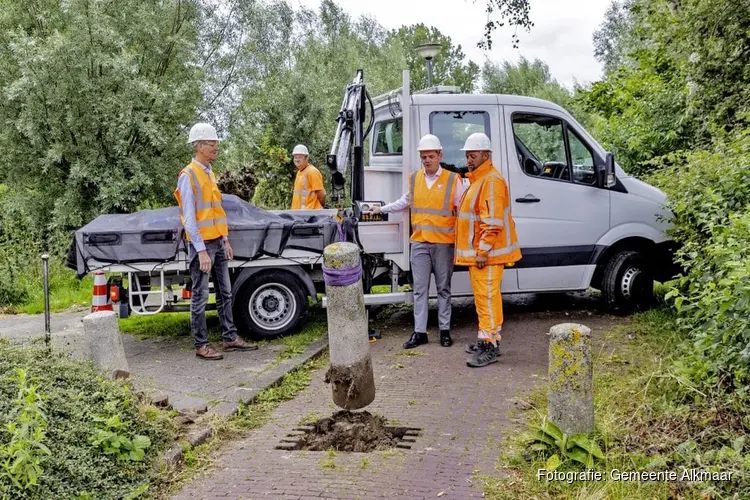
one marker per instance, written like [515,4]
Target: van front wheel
[628,283]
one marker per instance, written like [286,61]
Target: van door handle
[529,198]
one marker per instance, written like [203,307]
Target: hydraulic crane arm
[349,138]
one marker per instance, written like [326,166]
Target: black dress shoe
[445,338]
[415,340]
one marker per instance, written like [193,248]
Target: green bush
[102,443]
[708,193]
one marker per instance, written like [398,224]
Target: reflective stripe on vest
[473,218]
[302,192]
[210,216]
[434,225]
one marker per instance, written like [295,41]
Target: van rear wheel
[627,283]
[270,304]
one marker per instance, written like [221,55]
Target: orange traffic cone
[100,299]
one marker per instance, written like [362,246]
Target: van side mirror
[608,178]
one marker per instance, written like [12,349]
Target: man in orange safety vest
[486,242]
[433,196]
[207,232]
[309,193]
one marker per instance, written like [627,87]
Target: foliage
[643,423]
[511,12]
[682,80]
[615,38]
[74,396]
[708,195]
[95,95]
[559,447]
[529,78]
[111,437]
[448,67]
[21,459]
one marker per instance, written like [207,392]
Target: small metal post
[429,72]
[45,264]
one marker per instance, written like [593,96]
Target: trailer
[582,222]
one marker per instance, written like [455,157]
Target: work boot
[484,355]
[207,353]
[415,340]
[471,348]
[238,345]
[445,338]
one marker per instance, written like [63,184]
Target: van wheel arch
[625,276]
[643,246]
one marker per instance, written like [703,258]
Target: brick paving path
[464,414]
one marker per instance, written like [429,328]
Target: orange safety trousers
[486,283]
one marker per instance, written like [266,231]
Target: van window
[452,128]
[582,158]
[388,138]
[540,146]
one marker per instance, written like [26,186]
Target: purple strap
[341,277]
[340,227]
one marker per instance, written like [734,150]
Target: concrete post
[571,395]
[350,373]
[102,334]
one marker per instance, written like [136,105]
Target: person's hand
[374,210]
[205,261]
[481,261]
[228,250]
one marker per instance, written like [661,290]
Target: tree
[96,100]
[448,67]
[616,38]
[511,12]
[300,95]
[525,78]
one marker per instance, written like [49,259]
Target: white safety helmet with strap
[202,132]
[300,149]
[430,142]
[477,142]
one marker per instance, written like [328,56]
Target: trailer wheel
[628,283]
[270,304]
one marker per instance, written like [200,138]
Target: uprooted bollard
[571,395]
[350,373]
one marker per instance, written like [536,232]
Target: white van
[581,220]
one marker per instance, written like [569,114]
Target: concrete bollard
[350,374]
[102,334]
[571,395]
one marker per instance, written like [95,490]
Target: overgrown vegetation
[643,423]
[674,108]
[67,432]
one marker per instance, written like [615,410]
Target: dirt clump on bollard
[344,380]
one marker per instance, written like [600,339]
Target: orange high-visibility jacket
[306,183]
[485,225]
[433,218]
[210,216]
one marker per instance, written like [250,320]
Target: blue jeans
[222,287]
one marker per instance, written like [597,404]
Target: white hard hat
[430,142]
[202,132]
[300,149]
[477,142]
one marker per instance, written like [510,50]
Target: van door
[453,123]
[559,211]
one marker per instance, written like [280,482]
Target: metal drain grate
[406,437]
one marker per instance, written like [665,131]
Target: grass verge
[643,423]
[175,325]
